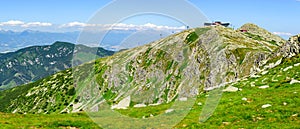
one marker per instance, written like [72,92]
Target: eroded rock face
[233,55]
[184,64]
[291,48]
[295,39]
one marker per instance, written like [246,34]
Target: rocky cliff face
[290,48]
[239,54]
[179,66]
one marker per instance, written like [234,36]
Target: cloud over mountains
[23,24]
[77,26]
[283,33]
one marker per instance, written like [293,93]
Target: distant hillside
[34,63]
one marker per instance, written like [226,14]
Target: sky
[278,16]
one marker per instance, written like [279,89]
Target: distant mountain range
[113,40]
[33,63]
[12,41]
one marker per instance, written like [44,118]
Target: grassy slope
[232,111]
[250,114]
[79,120]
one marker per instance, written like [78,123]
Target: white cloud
[12,23]
[283,33]
[119,26]
[36,24]
[88,27]
[78,24]
[23,24]
[73,24]
[122,26]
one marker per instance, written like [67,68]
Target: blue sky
[274,15]
[279,16]
[55,11]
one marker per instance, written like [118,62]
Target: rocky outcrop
[234,55]
[290,48]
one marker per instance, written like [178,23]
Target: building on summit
[217,23]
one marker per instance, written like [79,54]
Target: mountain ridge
[12,41]
[208,57]
[33,63]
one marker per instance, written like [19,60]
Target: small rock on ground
[295,115]
[266,105]
[293,81]
[287,68]
[169,110]
[226,123]
[183,99]
[139,105]
[231,89]
[263,87]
